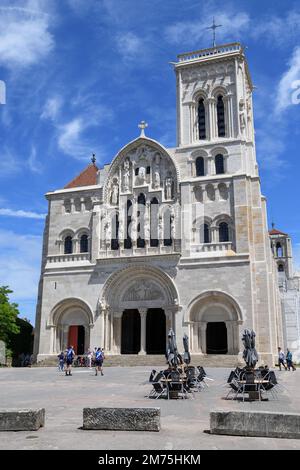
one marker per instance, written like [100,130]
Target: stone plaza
[183,422]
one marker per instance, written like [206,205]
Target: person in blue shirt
[99,357]
[289,360]
[69,359]
[61,361]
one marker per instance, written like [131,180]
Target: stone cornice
[137,260]
[204,262]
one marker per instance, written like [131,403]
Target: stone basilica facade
[167,237]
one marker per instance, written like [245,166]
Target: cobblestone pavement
[183,422]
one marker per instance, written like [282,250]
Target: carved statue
[168,188]
[173,226]
[156,177]
[146,228]
[107,230]
[142,175]
[160,228]
[242,115]
[126,176]
[115,194]
[133,229]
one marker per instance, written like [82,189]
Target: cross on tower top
[142,125]
[213,27]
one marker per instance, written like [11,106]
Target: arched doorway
[216,338]
[214,318]
[76,338]
[71,321]
[131,332]
[156,331]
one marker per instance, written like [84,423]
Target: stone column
[117,331]
[230,339]
[214,234]
[216,189]
[212,118]
[202,337]
[143,314]
[194,337]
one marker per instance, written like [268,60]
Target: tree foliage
[8,315]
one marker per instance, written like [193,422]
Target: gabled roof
[274,231]
[86,178]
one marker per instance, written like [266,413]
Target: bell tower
[214,100]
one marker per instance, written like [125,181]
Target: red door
[73,337]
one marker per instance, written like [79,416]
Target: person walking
[69,360]
[289,360]
[61,361]
[281,359]
[99,357]
[89,358]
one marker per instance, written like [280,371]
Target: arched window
[219,163]
[154,222]
[201,119]
[223,232]
[115,232]
[127,241]
[204,233]
[280,268]
[220,116]
[200,166]
[279,250]
[167,228]
[136,171]
[84,244]
[140,216]
[68,245]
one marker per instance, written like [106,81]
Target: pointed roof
[88,177]
[274,231]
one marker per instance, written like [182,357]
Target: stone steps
[130,360]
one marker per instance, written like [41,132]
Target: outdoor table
[173,393]
[255,394]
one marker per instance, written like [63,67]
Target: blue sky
[81,74]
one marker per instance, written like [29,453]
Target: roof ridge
[75,182]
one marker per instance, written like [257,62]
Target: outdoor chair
[152,375]
[175,384]
[158,391]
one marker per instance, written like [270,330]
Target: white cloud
[190,32]
[25,38]
[9,164]
[20,257]
[277,30]
[21,213]
[129,45]
[289,82]
[33,163]
[70,138]
[52,108]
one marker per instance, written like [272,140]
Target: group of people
[285,360]
[66,359]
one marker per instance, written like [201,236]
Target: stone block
[122,419]
[255,424]
[22,420]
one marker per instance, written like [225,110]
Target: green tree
[8,315]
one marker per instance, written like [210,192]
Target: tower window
[136,171]
[68,245]
[84,245]
[219,163]
[223,232]
[280,268]
[279,250]
[204,234]
[221,116]
[200,166]
[201,119]
[148,169]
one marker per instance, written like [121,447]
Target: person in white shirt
[281,359]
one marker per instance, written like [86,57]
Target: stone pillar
[194,337]
[230,336]
[217,193]
[117,332]
[214,234]
[212,118]
[143,314]
[202,337]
